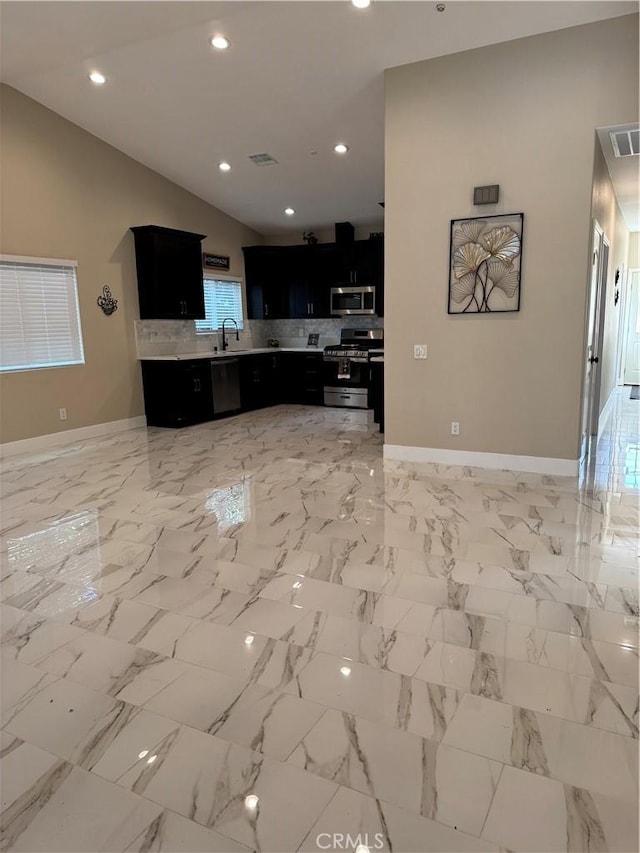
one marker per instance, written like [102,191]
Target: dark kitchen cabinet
[302,377]
[377,393]
[295,281]
[260,383]
[177,393]
[266,278]
[360,262]
[169,267]
[308,278]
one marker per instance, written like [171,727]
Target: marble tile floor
[251,635]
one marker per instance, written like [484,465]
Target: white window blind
[222,299]
[39,315]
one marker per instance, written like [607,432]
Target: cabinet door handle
[312,307]
[266,310]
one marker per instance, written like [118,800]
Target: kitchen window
[222,299]
[39,314]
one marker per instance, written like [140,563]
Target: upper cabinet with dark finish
[295,281]
[265,271]
[169,265]
[307,271]
[361,262]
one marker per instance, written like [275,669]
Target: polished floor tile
[253,635]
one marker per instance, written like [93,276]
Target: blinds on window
[39,315]
[222,299]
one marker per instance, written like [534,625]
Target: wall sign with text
[215,262]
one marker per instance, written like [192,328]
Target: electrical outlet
[419,350]
[455,427]
[63,414]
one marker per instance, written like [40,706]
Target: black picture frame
[485,261]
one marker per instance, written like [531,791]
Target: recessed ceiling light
[251,801]
[341,148]
[220,42]
[289,211]
[224,166]
[345,670]
[97,78]
[361,4]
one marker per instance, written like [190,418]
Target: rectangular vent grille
[625,143]
[263,160]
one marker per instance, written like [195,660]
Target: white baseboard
[471,458]
[44,442]
[607,409]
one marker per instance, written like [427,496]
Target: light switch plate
[419,350]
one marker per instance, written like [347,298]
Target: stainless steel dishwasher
[225,378]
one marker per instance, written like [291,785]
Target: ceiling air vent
[625,142]
[263,160]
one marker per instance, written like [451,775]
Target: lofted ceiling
[299,77]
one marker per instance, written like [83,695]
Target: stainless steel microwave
[353,300]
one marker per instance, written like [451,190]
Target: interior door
[632,337]
[595,327]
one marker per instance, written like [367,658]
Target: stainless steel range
[347,375]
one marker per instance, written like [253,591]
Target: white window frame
[211,275]
[77,325]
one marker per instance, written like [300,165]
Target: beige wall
[605,209]
[521,114]
[634,251]
[66,194]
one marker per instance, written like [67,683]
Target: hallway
[247,635]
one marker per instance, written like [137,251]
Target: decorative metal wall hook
[107,302]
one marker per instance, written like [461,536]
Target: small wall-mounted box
[486,195]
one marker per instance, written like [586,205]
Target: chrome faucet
[225,343]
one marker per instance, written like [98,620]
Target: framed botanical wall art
[484,266]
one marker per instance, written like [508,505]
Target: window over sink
[222,299]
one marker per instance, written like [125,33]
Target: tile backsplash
[169,337]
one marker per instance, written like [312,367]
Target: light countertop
[188,356]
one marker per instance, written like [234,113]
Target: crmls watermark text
[357,843]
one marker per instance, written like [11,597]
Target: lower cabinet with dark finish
[177,393]
[377,392]
[181,393]
[302,378]
[260,380]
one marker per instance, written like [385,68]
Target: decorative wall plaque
[484,264]
[108,304]
[215,262]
